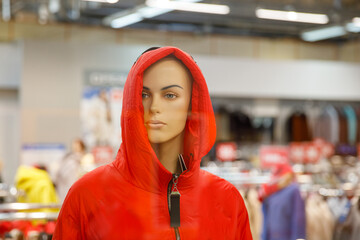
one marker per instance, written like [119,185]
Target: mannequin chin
[166,98]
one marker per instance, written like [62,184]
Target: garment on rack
[339,207]
[350,228]
[312,113]
[281,134]
[284,215]
[352,123]
[253,206]
[298,128]
[319,219]
[357,111]
[263,129]
[222,124]
[343,127]
[327,125]
[241,127]
[129,198]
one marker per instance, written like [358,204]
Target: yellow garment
[37,185]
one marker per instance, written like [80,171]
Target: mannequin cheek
[179,124]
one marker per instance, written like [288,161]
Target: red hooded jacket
[128,199]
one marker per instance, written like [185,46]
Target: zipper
[169,191]
[177,234]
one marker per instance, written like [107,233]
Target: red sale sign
[226,151]
[297,152]
[326,149]
[102,154]
[310,152]
[271,156]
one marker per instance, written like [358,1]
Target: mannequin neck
[168,152]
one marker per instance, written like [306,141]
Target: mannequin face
[166,96]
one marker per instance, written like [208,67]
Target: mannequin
[155,189]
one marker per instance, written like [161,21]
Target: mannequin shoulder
[96,181]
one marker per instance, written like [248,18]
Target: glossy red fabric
[127,199]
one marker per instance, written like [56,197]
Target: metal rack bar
[28,216]
[14,207]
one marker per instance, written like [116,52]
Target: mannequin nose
[155,105]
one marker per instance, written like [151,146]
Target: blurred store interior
[283,75]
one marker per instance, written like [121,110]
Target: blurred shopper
[283,207]
[72,167]
[155,188]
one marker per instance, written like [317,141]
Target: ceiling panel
[241,20]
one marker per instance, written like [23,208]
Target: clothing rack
[28,216]
[10,211]
[232,175]
[10,193]
[13,207]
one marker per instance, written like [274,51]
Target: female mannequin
[155,188]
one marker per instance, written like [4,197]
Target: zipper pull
[175,204]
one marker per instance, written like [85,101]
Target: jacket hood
[136,160]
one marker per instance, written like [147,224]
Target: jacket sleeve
[68,222]
[243,227]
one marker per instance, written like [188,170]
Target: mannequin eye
[170,95]
[145,95]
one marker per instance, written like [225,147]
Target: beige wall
[9,133]
[51,87]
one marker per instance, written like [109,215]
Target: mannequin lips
[155,124]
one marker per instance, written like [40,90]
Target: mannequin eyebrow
[164,88]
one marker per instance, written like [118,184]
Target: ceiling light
[126,20]
[189,6]
[356,21]
[323,33]
[137,14]
[6,11]
[103,1]
[292,16]
[352,27]
[150,12]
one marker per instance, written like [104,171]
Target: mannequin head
[166,99]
